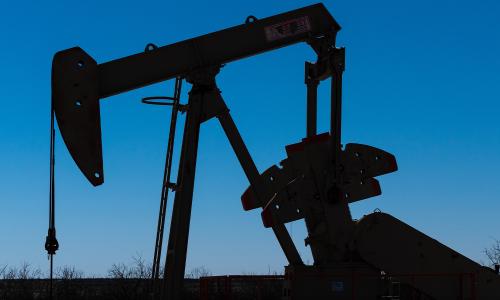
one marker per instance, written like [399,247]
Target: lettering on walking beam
[288,28]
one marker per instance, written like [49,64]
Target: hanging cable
[51,244]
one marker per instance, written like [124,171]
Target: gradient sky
[422,82]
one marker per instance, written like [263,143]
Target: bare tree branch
[139,269]
[198,272]
[493,253]
[68,273]
[3,269]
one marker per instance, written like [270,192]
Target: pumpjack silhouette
[319,178]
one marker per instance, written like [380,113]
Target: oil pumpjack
[353,259]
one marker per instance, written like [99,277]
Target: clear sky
[422,82]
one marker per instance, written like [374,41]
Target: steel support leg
[181,215]
[204,103]
[253,177]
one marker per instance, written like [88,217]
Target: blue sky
[421,82]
